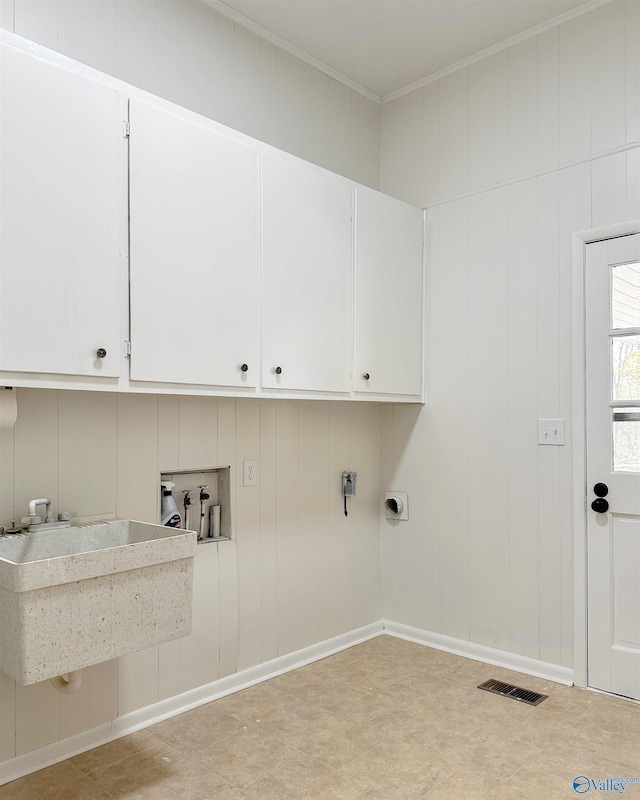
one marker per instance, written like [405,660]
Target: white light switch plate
[551,431]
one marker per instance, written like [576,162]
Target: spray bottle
[169,513]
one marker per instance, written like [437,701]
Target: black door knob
[278,370]
[600,505]
[244,367]
[101,352]
[366,376]
[601,490]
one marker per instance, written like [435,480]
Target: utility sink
[85,594]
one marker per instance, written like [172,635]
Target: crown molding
[554,22]
[283,44]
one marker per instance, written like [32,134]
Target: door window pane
[626,439]
[625,296]
[625,368]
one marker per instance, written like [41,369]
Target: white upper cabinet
[194,257]
[306,277]
[61,190]
[388,354]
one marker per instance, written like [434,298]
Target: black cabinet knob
[366,376]
[278,370]
[600,505]
[244,367]
[601,490]
[101,352]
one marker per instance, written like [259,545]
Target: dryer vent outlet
[396,505]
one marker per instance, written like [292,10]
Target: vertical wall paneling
[632,70]
[609,186]
[247,527]
[169,433]
[570,95]
[608,98]
[247,76]
[266,90]
[387,150]
[488,436]
[315,552]
[86,32]
[454,135]
[548,109]
[364,150]
[196,24]
[366,582]
[37,716]
[227,554]
[523,108]
[7,476]
[409,150]
[431,189]
[198,433]
[224,50]
[169,661]
[409,539]
[575,193]
[36,450]
[488,121]
[387,537]
[37,20]
[290,620]
[200,651]
[548,401]
[450,434]
[87,426]
[267,478]
[136,56]
[314,94]
[522,401]
[137,458]
[633,183]
[95,705]
[574,70]
[7,15]
[432,553]
[340,528]
[138,681]
[8,727]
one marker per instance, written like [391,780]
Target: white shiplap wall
[298,572]
[511,155]
[184,51]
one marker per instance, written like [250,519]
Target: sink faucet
[36,523]
[33,505]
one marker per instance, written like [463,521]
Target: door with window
[613,464]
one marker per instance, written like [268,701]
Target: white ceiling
[386,45]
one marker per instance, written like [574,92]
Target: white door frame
[580,585]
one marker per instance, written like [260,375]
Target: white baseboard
[479,652]
[142,718]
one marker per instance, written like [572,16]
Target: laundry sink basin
[83,595]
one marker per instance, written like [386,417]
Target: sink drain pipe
[67,683]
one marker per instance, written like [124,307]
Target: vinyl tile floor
[384,719]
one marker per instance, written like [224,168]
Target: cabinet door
[62,158]
[388,296]
[306,269]
[194,212]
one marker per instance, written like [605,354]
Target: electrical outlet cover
[250,473]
